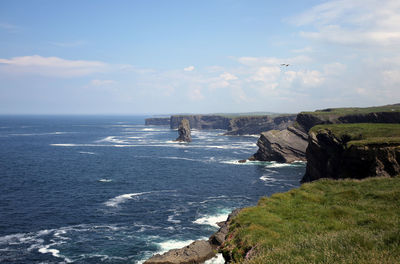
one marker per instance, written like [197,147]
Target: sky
[187,56]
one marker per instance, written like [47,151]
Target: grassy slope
[327,221]
[356,110]
[363,133]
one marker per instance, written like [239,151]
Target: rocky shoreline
[198,251]
[328,155]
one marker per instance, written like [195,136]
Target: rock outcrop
[218,238]
[197,252]
[290,144]
[331,156]
[184,131]
[157,121]
[254,125]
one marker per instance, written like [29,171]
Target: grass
[356,110]
[327,221]
[363,133]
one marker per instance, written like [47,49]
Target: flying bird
[285,64]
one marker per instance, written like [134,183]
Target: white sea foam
[218,259]
[212,220]
[112,139]
[268,179]
[87,152]
[114,202]
[172,244]
[172,220]
[105,180]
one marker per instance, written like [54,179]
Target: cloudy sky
[169,56]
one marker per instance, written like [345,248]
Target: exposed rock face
[184,131]
[157,121]
[328,157]
[197,252]
[218,238]
[288,145]
[201,121]
[254,125]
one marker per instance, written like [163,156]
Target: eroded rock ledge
[198,251]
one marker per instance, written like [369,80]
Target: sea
[108,189]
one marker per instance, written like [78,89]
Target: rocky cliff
[184,131]
[353,151]
[201,121]
[290,144]
[157,121]
[287,145]
[254,125]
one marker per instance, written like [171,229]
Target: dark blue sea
[112,190]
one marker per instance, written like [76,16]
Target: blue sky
[134,57]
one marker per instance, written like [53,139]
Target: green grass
[363,133]
[327,221]
[356,110]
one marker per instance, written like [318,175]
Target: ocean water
[111,190]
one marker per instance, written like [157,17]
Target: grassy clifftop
[347,221]
[363,133]
[356,110]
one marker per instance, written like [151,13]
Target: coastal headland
[351,204]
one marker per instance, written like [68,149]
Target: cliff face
[287,145]
[184,131]
[201,121]
[157,121]
[275,146]
[331,156]
[254,125]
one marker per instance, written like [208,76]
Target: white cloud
[266,74]
[228,76]
[303,50]
[102,82]
[353,22]
[51,66]
[273,61]
[189,68]
[195,95]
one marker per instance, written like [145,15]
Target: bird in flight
[285,64]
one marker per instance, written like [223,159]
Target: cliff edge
[291,144]
[353,151]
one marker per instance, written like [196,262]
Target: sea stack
[184,131]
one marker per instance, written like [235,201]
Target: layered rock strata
[201,121]
[290,144]
[254,125]
[157,121]
[184,132]
[329,156]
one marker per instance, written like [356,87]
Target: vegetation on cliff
[327,221]
[356,110]
[363,133]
